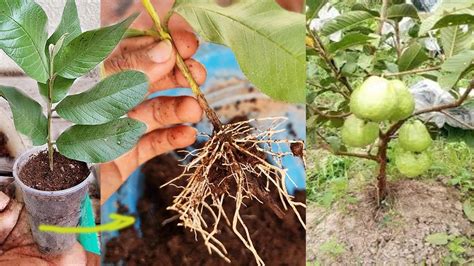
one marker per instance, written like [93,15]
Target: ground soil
[66,174]
[394,235]
[4,152]
[278,241]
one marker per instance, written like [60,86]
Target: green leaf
[267,40]
[351,39]
[454,40]
[27,115]
[454,20]
[459,62]
[412,57]
[313,7]
[455,68]
[438,239]
[88,49]
[23,36]
[60,88]
[468,209]
[107,100]
[444,11]
[361,7]
[69,25]
[345,21]
[100,143]
[402,10]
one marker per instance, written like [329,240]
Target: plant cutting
[371,110]
[54,175]
[234,163]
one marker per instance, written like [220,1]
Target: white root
[200,194]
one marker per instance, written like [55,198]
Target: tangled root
[233,164]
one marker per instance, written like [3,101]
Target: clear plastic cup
[59,208]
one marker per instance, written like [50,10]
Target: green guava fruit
[412,164]
[406,102]
[374,100]
[414,136]
[359,133]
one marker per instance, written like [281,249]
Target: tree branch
[327,115]
[383,16]
[437,108]
[323,52]
[325,145]
[413,71]
[454,104]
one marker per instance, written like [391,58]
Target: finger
[21,234]
[156,61]
[165,111]
[110,180]
[176,79]
[186,43]
[133,44]
[156,143]
[4,200]
[9,218]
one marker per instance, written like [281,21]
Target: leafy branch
[319,47]
[325,145]
[413,71]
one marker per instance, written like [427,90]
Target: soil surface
[4,152]
[391,236]
[67,173]
[278,241]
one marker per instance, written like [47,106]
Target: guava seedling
[406,103]
[99,132]
[359,133]
[412,164]
[414,136]
[374,100]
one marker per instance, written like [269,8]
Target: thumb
[155,60]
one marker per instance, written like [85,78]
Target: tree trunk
[382,176]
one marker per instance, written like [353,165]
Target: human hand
[17,246]
[157,59]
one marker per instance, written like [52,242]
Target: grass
[331,178]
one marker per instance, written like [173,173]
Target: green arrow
[118,222]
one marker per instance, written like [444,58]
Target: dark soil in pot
[66,173]
[51,197]
[278,241]
[4,152]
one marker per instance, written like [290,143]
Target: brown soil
[278,241]
[4,152]
[392,236]
[67,173]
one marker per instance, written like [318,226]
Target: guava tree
[363,58]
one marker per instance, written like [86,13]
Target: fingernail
[161,52]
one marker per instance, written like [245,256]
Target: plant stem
[50,122]
[327,114]
[413,71]
[164,35]
[325,145]
[323,52]
[398,44]
[383,16]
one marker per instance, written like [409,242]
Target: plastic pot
[60,208]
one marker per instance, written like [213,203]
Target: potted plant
[54,175]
